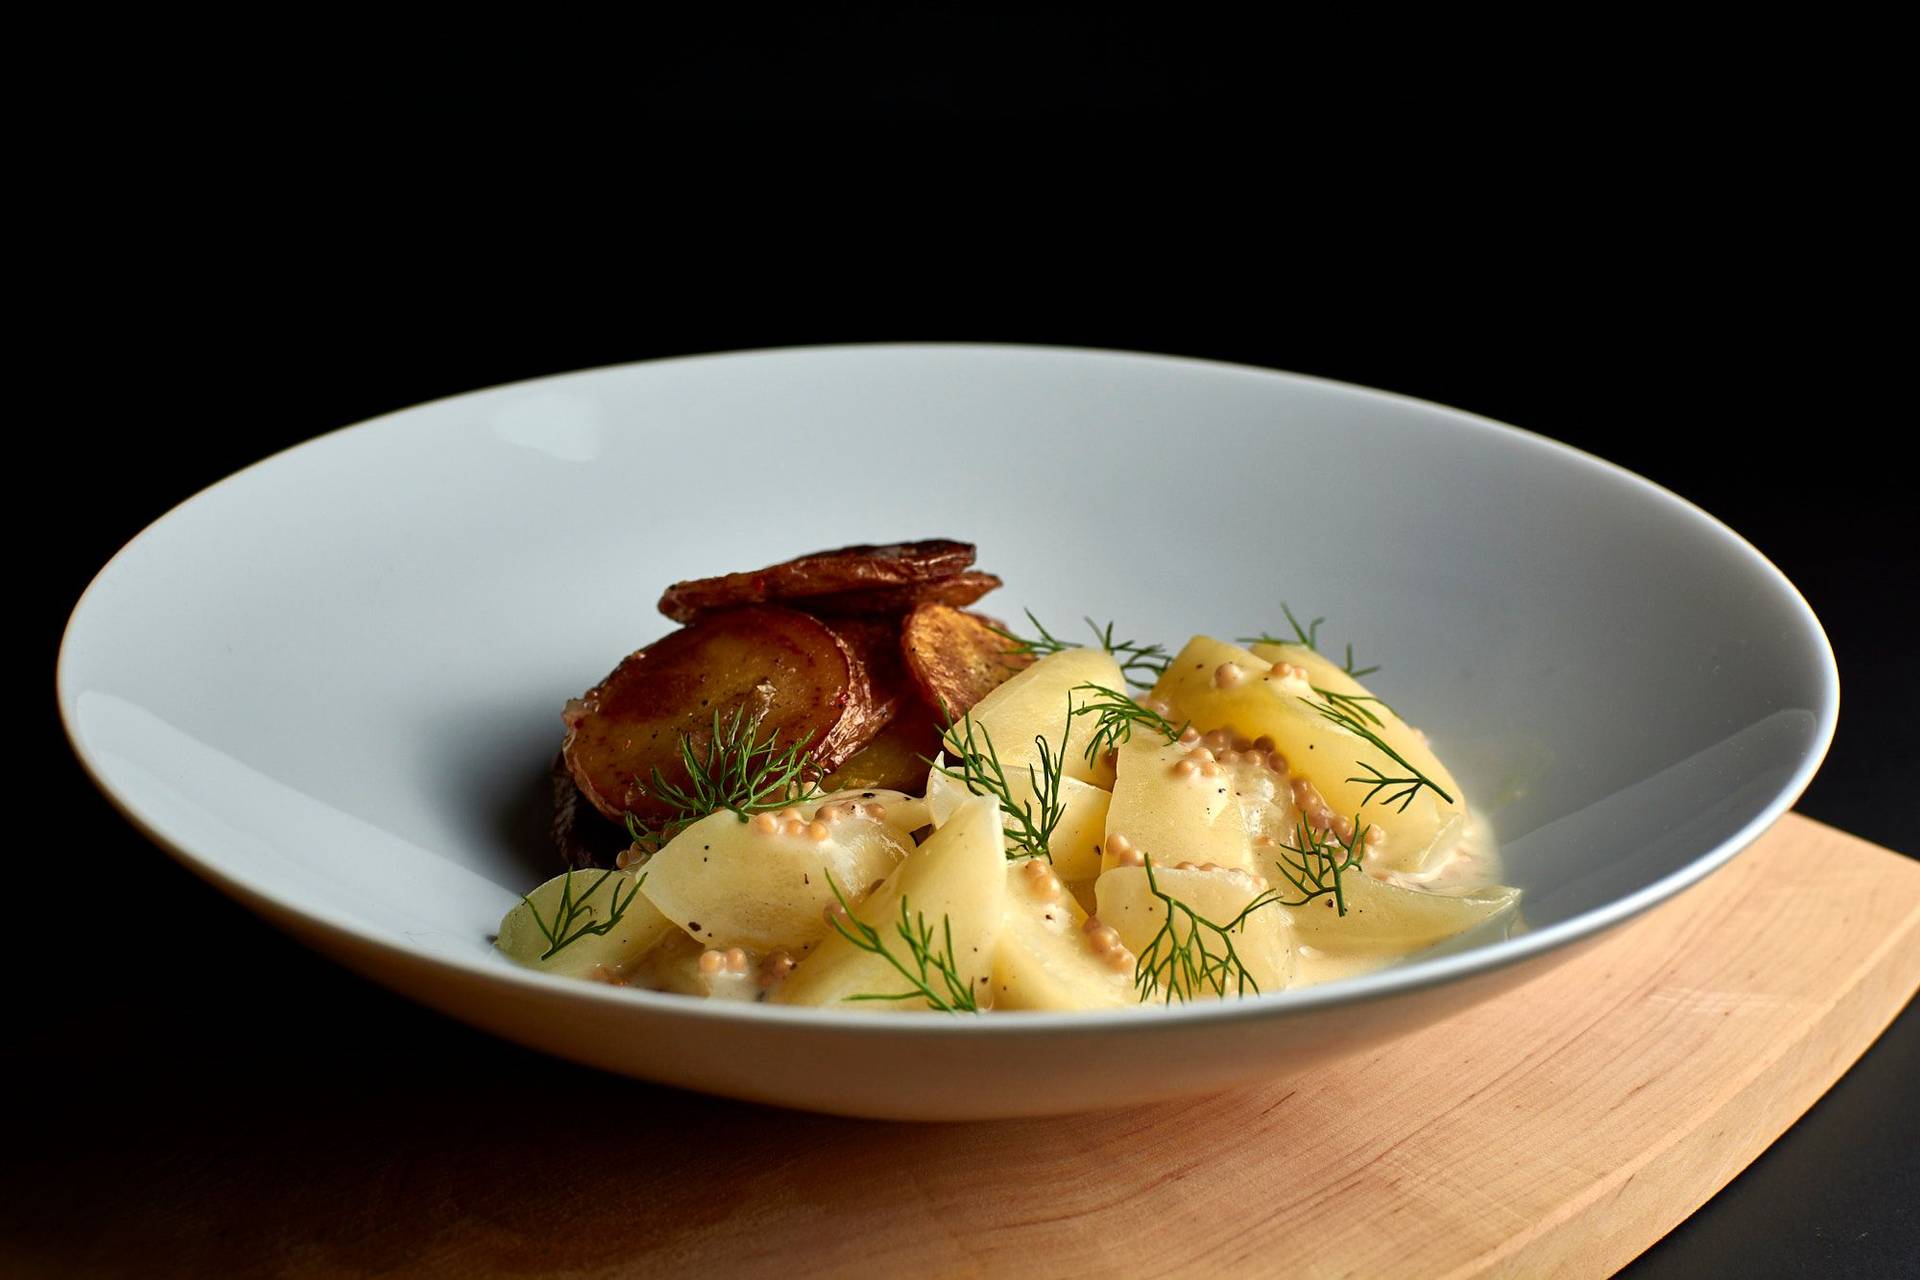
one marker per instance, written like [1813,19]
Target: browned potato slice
[956,658]
[875,643]
[858,568]
[959,590]
[879,690]
[583,837]
[894,761]
[785,668]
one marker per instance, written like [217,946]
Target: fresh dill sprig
[1047,645]
[1116,716]
[561,934]
[1318,862]
[651,837]
[1354,704]
[1184,965]
[1401,790]
[954,994]
[1133,657]
[1136,660]
[738,770]
[1309,636]
[979,770]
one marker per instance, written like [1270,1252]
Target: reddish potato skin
[958,591]
[956,658]
[847,569]
[875,643]
[583,837]
[784,666]
[868,707]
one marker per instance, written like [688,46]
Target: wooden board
[1559,1129]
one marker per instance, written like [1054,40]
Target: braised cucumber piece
[1364,761]
[1262,943]
[953,886]
[1034,704]
[1047,957]
[561,926]
[762,884]
[1076,839]
[1168,808]
[1387,919]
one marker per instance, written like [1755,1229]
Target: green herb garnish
[1404,789]
[977,767]
[1205,960]
[1115,717]
[1309,636]
[1136,660]
[738,770]
[927,966]
[1188,967]
[1316,866]
[1353,704]
[562,934]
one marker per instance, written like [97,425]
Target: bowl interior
[335,679]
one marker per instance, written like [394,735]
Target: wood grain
[1559,1129]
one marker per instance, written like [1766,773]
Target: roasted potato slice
[875,643]
[583,837]
[788,670]
[956,658]
[959,590]
[896,760]
[822,573]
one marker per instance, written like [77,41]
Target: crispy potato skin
[875,643]
[956,658]
[822,573]
[789,669]
[583,837]
[958,591]
[875,690]
[817,646]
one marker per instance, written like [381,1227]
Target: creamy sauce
[674,967]
[1471,865]
[1311,966]
[1452,901]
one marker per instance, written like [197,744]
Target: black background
[1689,310]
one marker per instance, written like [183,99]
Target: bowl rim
[345,932]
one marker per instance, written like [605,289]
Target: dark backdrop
[1679,350]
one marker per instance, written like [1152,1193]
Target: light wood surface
[1559,1129]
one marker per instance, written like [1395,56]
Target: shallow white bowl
[331,683]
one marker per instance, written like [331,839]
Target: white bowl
[331,683]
